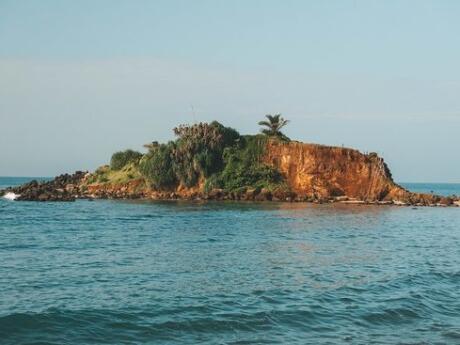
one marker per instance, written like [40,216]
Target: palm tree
[273,126]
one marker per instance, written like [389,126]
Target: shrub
[157,167]
[198,151]
[244,169]
[103,179]
[121,158]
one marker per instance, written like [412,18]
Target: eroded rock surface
[317,172]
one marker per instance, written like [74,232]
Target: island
[209,161]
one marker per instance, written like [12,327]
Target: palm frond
[282,123]
[270,118]
[268,132]
[276,117]
[264,123]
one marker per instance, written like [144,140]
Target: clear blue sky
[82,79]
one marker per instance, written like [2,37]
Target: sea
[137,272]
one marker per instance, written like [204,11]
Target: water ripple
[130,272]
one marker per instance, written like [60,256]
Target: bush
[198,151]
[157,167]
[121,158]
[244,169]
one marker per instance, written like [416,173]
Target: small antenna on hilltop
[193,113]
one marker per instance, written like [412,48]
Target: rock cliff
[318,172]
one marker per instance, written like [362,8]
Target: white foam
[10,196]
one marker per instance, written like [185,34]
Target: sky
[80,80]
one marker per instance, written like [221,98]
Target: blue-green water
[115,272]
[447,189]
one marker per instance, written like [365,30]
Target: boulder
[264,195]
[250,194]
[446,201]
[216,194]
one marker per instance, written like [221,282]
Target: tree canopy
[272,126]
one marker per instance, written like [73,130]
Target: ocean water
[15,181]
[127,272]
[447,189]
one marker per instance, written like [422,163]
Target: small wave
[392,316]
[80,326]
[11,196]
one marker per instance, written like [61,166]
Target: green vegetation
[243,168]
[273,126]
[207,155]
[198,151]
[105,174]
[157,167]
[122,158]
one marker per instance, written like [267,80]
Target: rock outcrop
[318,172]
[322,172]
[62,188]
[313,173]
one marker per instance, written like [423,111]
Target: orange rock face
[320,172]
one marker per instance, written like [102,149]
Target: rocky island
[209,161]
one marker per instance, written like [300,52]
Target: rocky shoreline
[69,187]
[62,188]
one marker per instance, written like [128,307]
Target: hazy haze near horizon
[80,80]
